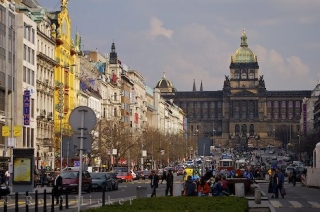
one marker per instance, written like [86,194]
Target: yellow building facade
[64,74]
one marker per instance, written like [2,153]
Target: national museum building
[243,109]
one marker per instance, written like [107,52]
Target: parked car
[146,174]
[101,180]
[125,177]
[180,171]
[70,181]
[114,180]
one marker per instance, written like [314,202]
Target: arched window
[236,74]
[251,74]
[251,130]
[244,74]
[237,129]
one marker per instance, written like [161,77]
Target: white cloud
[157,29]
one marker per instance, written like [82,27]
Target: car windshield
[69,175]
[98,175]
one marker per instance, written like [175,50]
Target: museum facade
[243,109]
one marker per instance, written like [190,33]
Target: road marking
[296,204]
[314,204]
[276,203]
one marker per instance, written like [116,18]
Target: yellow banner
[5,131]
[17,131]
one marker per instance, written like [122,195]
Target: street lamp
[299,147]
[274,136]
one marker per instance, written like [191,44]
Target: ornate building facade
[244,110]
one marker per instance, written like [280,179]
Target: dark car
[114,180]
[70,181]
[146,174]
[101,180]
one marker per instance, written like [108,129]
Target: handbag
[283,191]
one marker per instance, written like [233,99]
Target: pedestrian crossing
[294,204]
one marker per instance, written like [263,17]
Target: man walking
[154,183]
[7,178]
[169,183]
[57,188]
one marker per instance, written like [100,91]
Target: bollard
[257,196]
[104,196]
[141,192]
[52,200]
[67,200]
[44,200]
[36,201]
[27,202]
[16,202]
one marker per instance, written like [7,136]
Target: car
[180,171]
[101,180]
[70,181]
[146,174]
[125,177]
[114,180]
[289,169]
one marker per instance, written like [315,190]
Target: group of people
[217,186]
[276,183]
[155,179]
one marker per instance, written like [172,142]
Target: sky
[191,40]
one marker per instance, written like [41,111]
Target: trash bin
[239,189]
[141,192]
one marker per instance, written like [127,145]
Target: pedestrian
[217,187]
[154,182]
[205,187]
[7,178]
[164,175]
[281,182]
[294,177]
[57,188]
[225,186]
[36,177]
[43,176]
[169,179]
[190,187]
[275,183]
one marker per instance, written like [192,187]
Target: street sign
[76,163]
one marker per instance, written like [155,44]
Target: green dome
[243,53]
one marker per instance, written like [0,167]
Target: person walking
[43,176]
[275,183]
[294,177]
[57,188]
[164,175]
[7,178]
[169,179]
[281,182]
[154,183]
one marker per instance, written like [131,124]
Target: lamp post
[274,136]
[299,147]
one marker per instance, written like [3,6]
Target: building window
[251,74]
[243,75]
[236,74]
[32,108]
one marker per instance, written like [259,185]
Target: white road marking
[314,204]
[296,204]
[276,203]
